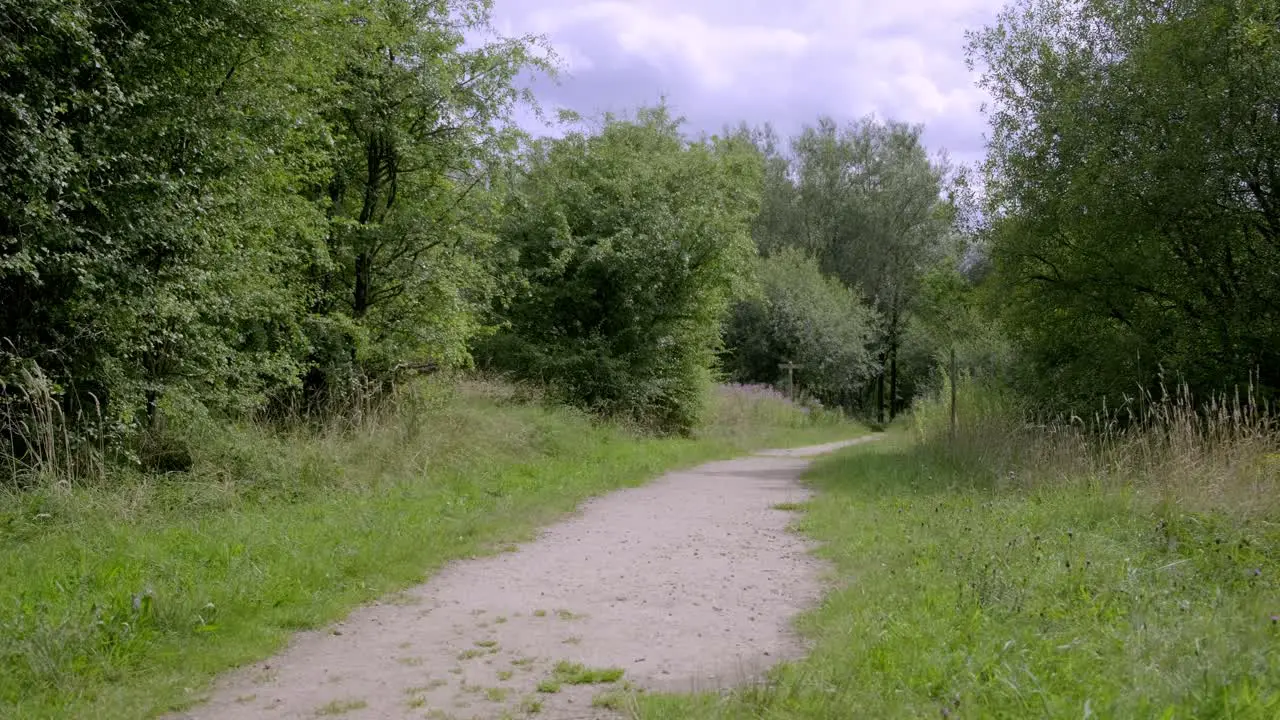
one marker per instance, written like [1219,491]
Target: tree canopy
[1132,192]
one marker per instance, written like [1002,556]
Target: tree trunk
[360,298]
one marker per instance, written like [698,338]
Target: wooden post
[791,368]
[953,391]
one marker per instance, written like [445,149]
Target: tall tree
[416,116]
[870,205]
[1135,192]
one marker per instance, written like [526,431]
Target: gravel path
[687,583]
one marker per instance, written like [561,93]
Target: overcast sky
[787,61]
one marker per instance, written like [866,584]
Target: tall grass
[39,444]
[1215,454]
[738,411]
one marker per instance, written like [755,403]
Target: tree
[206,201]
[869,204]
[416,117]
[1133,189]
[145,228]
[629,245]
[803,316]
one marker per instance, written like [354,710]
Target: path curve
[687,583]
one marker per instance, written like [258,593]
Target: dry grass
[1220,454]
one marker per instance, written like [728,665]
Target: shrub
[805,317]
[629,244]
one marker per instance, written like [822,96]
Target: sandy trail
[689,582]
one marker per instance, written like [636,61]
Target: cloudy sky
[786,61]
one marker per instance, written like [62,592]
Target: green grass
[967,589]
[124,599]
[578,674]
[340,707]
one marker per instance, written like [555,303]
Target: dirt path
[687,583]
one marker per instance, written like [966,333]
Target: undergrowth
[123,594]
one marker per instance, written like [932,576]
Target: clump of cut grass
[340,707]
[496,694]
[571,673]
[615,700]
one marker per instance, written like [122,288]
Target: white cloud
[721,61]
[720,56]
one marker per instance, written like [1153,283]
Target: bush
[628,245]
[805,317]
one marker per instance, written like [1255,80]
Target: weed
[549,686]
[579,674]
[340,707]
[496,694]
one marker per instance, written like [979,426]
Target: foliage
[1133,192]
[207,203]
[867,201]
[804,317]
[630,243]
[136,254]
[411,125]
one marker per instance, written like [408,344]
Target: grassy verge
[1037,573]
[123,601]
